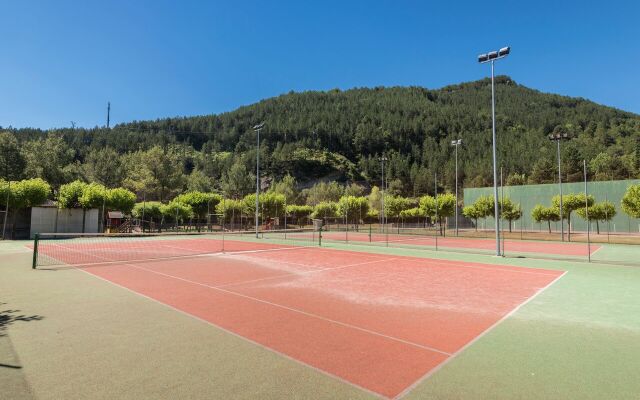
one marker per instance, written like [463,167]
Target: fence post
[36,238]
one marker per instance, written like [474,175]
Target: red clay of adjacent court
[379,322]
[516,246]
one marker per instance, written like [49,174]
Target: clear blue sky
[62,61]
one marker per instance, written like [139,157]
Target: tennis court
[453,243]
[381,323]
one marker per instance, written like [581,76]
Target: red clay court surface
[517,246]
[379,322]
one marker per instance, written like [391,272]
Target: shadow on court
[9,317]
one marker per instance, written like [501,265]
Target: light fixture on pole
[456,143]
[491,57]
[559,136]
[257,129]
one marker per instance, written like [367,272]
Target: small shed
[114,219]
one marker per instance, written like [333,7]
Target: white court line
[406,391]
[290,358]
[432,349]
[597,250]
[289,308]
[480,336]
[303,272]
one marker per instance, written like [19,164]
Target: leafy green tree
[375,199]
[570,203]
[516,179]
[48,159]
[540,213]
[354,190]
[198,181]
[175,211]
[120,199]
[25,193]
[238,181]
[394,205]
[94,195]
[271,204]
[446,208]
[372,216]
[12,162]
[231,209]
[325,209]
[150,210]
[104,166]
[157,172]
[324,192]
[427,205]
[543,171]
[69,194]
[510,211]
[396,187]
[411,215]
[299,213]
[483,208]
[599,212]
[602,166]
[353,208]
[444,203]
[472,212]
[631,201]
[287,188]
[200,202]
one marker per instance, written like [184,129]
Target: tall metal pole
[495,163]
[435,198]
[560,184]
[108,113]
[257,178]
[6,210]
[484,58]
[501,208]
[586,206]
[144,206]
[257,128]
[456,190]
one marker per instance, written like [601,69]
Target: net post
[36,239]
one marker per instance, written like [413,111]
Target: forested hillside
[341,135]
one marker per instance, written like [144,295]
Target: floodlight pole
[483,58]
[496,209]
[258,128]
[456,143]
[557,137]
[560,185]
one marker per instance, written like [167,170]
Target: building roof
[115,214]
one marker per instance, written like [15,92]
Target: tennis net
[81,249]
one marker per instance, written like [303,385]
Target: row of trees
[584,206]
[323,200]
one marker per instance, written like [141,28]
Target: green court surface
[66,334]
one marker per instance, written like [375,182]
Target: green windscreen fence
[528,196]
